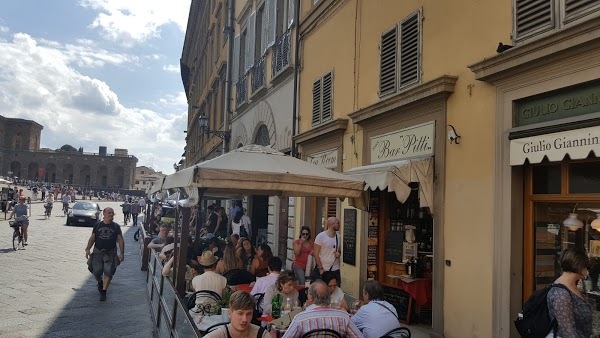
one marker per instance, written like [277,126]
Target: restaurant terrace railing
[281,53]
[258,75]
[241,90]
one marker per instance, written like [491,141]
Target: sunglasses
[305,233]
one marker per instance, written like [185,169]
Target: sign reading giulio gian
[556,105]
[407,143]
[577,143]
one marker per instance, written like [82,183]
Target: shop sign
[407,143]
[326,159]
[577,143]
[557,105]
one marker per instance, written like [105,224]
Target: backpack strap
[227,329]
[261,332]
[387,308]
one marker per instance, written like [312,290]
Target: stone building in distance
[21,156]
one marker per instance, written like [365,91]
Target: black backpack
[534,321]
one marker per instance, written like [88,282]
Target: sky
[97,73]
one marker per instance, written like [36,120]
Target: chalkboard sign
[400,299]
[393,246]
[349,242]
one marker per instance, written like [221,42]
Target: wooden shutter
[263,30]
[575,9]
[533,16]
[410,63]
[250,41]
[316,112]
[388,62]
[271,22]
[331,207]
[291,12]
[235,67]
[327,96]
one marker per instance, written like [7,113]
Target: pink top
[302,258]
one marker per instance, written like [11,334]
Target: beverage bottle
[287,306]
[276,306]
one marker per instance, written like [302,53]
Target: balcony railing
[281,53]
[241,90]
[258,76]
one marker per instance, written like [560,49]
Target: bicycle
[17,238]
[65,208]
[48,210]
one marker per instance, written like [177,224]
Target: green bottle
[276,306]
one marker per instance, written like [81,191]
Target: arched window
[262,136]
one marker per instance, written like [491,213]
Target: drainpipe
[296,73]
[231,34]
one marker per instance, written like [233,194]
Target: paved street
[47,291]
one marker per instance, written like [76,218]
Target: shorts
[104,264]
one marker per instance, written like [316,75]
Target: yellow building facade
[413,97]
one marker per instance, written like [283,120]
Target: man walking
[134,209]
[327,249]
[104,261]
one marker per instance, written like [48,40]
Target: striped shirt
[322,318]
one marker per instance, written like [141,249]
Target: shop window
[584,178]
[547,179]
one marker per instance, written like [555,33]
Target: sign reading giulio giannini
[407,143]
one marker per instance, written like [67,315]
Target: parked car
[84,213]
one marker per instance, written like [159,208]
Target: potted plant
[223,304]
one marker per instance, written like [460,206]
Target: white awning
[395,176]
[577,143]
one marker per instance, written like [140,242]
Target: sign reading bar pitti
[411,142]
[326,159]
[577,143]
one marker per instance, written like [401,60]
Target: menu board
[349,242]
[400,299]
[393,246]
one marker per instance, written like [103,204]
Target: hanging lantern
[596,223]
[572,222]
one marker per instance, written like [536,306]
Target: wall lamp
[453,136]
[203,122]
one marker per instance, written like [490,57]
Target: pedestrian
[303,248]
[572,312]
[327,250]
[22,211]
[43,192]
[104,260]
[126,208]
[134,209]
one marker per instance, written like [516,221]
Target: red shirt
[302,258]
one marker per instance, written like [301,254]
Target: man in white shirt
[209,280]
[263,283]
[377,317]
[327,249]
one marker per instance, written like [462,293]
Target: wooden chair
[401,332]
[321,333]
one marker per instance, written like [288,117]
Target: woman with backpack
[568,306]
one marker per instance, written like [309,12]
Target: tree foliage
[67,147]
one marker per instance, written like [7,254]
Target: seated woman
[241,307]
[338,299]
[232,267]
[259,265]
[246,252]
[285,287]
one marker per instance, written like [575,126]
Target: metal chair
[258,297]
[191,299]
[321,333]
[401,332]
[214,327]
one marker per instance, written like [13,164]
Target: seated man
[209,280]
[241,305]
[322,316]
[263,283]
[159,241]
[376,317]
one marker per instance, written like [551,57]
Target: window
[250,41]
[322,99]
[261,45]
[217,46]
[262,136]
[216,115]
[137,182]
[400,55]
[142,172]
[534,17]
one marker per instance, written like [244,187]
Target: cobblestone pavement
[47,291]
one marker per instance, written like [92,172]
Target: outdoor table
[248,287]
[204,322]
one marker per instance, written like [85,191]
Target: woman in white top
[237,223]
[338,299]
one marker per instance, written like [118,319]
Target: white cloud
[132,21]
[171,68]
[38,82]
[4,29]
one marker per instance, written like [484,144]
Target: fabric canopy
[259,170]
[155,187]
[395,176]
[577,143]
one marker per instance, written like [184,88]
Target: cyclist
[49,202]
[65,201]
[19,210]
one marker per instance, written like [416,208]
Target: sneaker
[100,286]
[103,296]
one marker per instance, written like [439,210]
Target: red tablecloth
[419,289]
